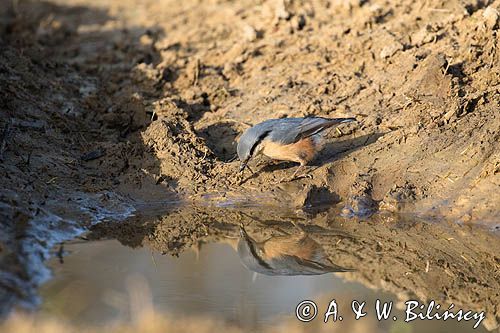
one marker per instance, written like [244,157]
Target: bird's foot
[286,179]
[304,175]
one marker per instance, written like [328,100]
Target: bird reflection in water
[285,255]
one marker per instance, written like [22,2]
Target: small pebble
[249,33]
[298,22]
[490,16]
[280,11]
[391,49]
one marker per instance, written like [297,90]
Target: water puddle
[251,268]
[93,286]
[25,244]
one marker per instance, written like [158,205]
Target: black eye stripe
[256,256]
[261,137]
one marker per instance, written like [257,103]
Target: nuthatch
[285,255]
[287,139]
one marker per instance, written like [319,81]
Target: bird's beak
[243,165]
[243,232]
[348,120]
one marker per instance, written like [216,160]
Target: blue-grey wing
[291,130]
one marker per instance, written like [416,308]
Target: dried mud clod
[182,155]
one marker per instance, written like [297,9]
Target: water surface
[93,286]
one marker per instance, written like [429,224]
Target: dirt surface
[109,103]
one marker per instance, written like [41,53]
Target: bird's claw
[291,179]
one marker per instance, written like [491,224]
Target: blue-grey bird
[286,139]
[285,255]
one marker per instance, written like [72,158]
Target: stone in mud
[280,11]
[298,22]
[236,54]
[490,16]
[423,36]
[193,70]
[360,205]
[391,49]
[249,33]
[146,40]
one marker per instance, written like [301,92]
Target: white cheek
[258,149]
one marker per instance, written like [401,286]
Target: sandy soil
[104,103]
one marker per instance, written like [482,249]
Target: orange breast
[297,245]
[301,152]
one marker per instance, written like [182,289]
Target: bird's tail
[335,121]
[343,269]
[312,126]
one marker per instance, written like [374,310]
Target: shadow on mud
[221,139]
[337,149]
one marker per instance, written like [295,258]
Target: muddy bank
[143,102]
[155,99]
[428,103]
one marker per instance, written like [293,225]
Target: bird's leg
[301,166]
[304,175]
[243,179]
[297,226]
[284,178]
[294,176]
[251,174]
